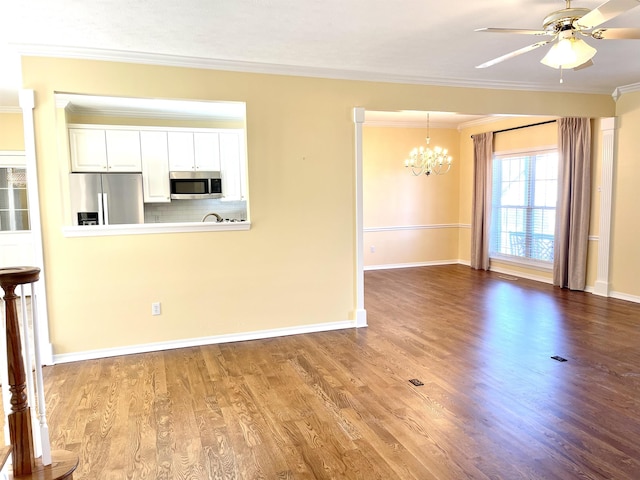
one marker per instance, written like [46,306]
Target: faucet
[218,217]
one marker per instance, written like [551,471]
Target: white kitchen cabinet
[206,149]
[155,167]
[156,151]
[102,150]
[123,151]
[88,149]
[193,151]
[181,151]
[232,165]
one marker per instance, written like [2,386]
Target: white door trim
[361,313]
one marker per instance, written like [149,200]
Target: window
[523,212]
[14,210]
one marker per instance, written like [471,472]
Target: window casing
[523,213]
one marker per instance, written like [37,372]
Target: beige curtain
[574,203]
[481,208]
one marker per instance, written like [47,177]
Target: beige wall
[625,259]
[296,266]
[11,132]
[394,199]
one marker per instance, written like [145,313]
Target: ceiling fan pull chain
[561,70]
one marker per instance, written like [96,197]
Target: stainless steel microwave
[195,185]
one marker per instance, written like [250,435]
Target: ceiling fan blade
[616,33]
[586,64]
[515,53]
[606,11]
[521,31]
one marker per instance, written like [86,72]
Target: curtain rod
[523,126]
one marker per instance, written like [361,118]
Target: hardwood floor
[494,405]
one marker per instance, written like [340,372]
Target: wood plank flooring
[338,405]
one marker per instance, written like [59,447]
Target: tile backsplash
[193,210]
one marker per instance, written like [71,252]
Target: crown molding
[408,124]
[150,108]
[123,113]
[35,50]
[489,119]
[619,91]
[486,121]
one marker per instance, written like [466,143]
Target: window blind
[524,196]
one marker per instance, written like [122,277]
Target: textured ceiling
[428,41]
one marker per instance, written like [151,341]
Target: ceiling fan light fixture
[569,52]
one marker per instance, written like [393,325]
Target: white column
[27,103]
[607,128]
[361,313]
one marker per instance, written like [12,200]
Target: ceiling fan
[567,26]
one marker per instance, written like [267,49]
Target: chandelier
[426,160]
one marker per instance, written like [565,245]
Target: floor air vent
[508,277]
[559,358]
[416,382]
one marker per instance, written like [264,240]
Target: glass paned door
[14,205]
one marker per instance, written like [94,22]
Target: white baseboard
[601,288]
[280,332]
[410,265]
[625,296]
[46,354]
[503,271]
[519,274]
[196,342]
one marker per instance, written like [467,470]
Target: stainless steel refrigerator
[106,198]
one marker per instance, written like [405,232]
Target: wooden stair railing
[25,465]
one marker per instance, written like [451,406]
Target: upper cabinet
[155,167]
[88,150]
[191,151]
[181,155]
[206,151]
[221,150]
[104,150]
[155,151]
[232,165]
[123,151]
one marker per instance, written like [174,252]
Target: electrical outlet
[155,308]
[372,248]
